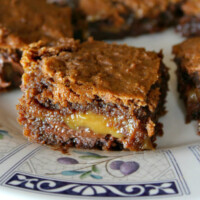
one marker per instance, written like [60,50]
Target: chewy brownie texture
[189,24]
[23,22]
[92,95]
[187,56]
[109,19]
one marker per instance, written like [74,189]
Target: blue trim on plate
[27,182]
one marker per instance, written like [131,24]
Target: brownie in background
[111,19]
[23,22]
[189,25]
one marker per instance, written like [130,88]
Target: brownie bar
[110,19]
[23,22]
[187,59]
[189,24]
[92,95]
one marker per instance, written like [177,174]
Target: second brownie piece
[92,95]
[187,58]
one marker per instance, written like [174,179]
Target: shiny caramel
[95,122]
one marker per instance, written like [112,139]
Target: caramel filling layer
[95,122]
[118,127]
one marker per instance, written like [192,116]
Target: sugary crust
[189,52]
[26,21]
[191,8]
[82,72]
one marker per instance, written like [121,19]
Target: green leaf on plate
[86,174]
[95,169]
[72,172]
[86,153]
[1,136]
[96,176]
[3,133]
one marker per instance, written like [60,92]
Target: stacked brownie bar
[23,22]
[189,24]
[187,57]
[92,95]
[109,19]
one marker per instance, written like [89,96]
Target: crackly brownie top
[192,7]
[26,21]
[189,53]
[103,9]
[114,73]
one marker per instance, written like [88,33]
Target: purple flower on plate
[125,168]
[67,161]
[129,167]
[115,165]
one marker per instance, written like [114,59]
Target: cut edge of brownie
[188,81]
[187,90]
[10,68]
[189,26]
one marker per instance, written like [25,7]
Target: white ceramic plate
[29,171]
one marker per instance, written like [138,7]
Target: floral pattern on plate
[125,168]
